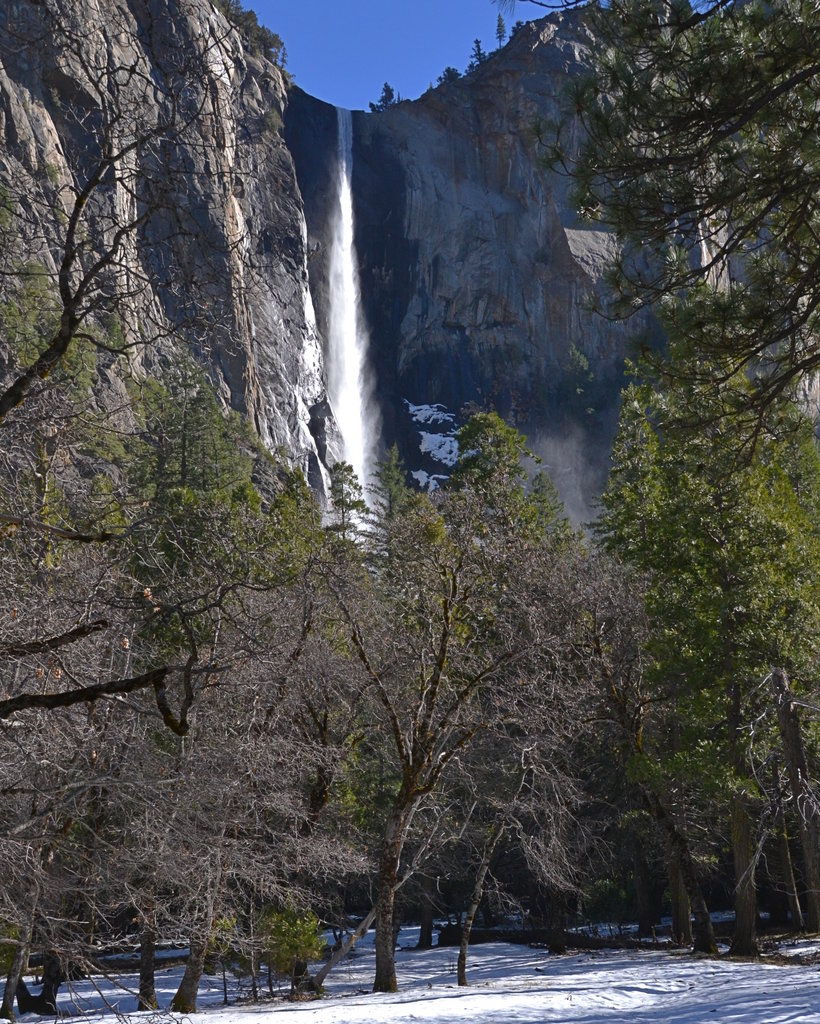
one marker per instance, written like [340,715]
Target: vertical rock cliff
[476,276]
[228,238]
[476,273]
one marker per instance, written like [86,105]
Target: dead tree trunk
[808,818]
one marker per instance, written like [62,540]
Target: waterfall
[349,379]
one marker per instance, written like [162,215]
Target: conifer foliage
[698,129]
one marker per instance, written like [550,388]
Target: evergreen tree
[449,74]
[392,492]
[492,470]
[477,56]
[387,99]
[699,128]
[500,31]
[349,509]
[732,552]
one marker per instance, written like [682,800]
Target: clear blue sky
[343,51]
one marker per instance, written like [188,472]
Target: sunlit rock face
[243,231]
[475,271]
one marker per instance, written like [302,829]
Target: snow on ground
[805,948]
[508,985]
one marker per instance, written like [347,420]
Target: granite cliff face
[476,273]
[237,239]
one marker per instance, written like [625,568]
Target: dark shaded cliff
[476,275]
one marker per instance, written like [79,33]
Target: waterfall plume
[350,383]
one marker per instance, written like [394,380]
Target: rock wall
[232,238]
[476,273]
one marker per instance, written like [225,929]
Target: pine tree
[392,492]
[349,509]
[699,130]
[732,555]
[500,31]
[478,56]
[387,99]
[449,74]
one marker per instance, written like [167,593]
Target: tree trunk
[555,920]
[385,979]
[342,951]
[475,898]
[645,893]
[395,829]
[147,998]
[784,858]
[681,911]
[254,956]
[702,932]
[185,999]
[300,979]
[18,965]
[744,940]
[800,783]
[44,1004]
[426,908]
[397,912]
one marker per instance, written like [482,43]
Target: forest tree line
[223,707]
[228,715]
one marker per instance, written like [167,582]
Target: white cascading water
[349,382]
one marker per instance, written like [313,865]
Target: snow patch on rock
[441,447]
[429,481]
[432,414]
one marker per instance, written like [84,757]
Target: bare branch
[84,695]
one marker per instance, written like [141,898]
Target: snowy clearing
[509,985]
